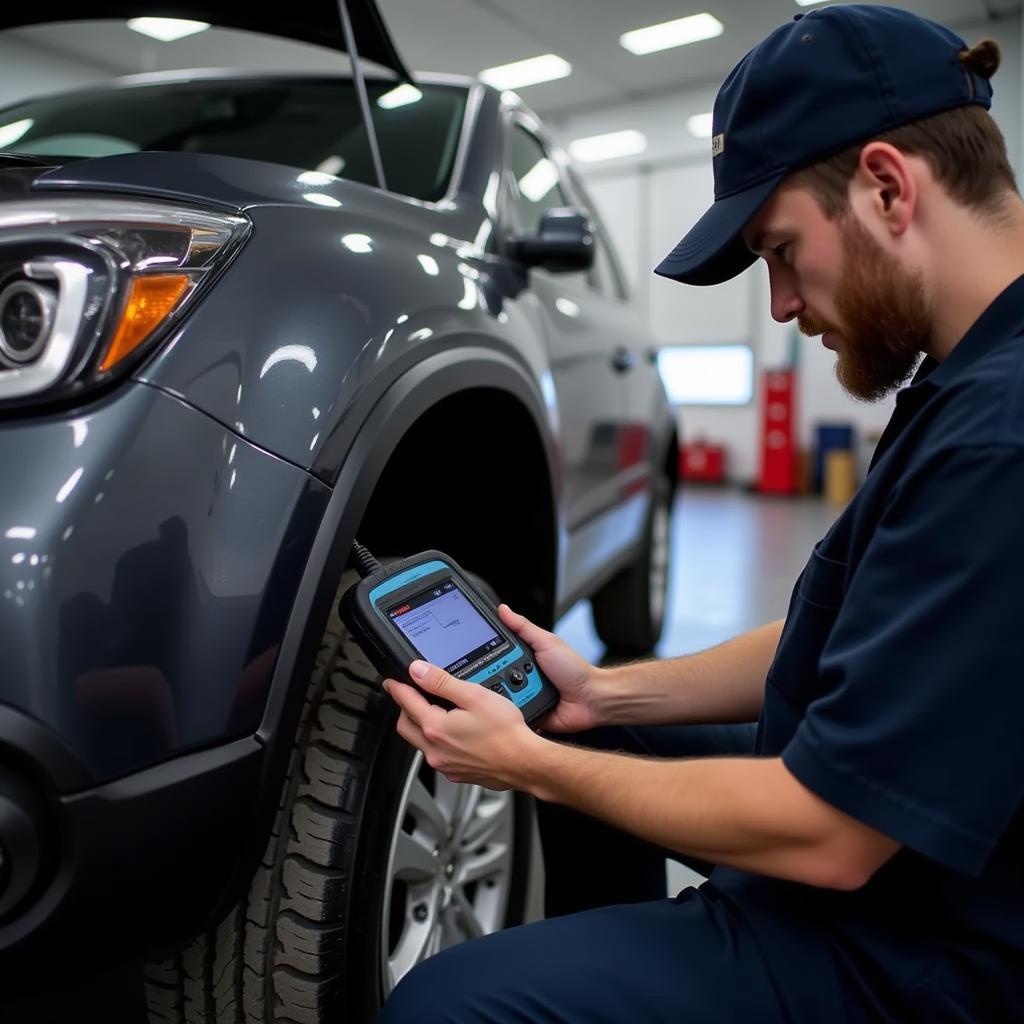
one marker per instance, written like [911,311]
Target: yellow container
[840,476]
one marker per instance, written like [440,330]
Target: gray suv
[243,320]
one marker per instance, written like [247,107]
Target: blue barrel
[830,437]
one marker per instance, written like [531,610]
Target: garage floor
[735,558]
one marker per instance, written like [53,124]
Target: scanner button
[497,686]
[516,679]
[528,667]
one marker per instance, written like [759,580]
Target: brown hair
[963,147]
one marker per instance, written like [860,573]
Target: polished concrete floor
[735,558]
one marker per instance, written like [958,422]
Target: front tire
[374,863]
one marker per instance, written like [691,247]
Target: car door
[588,364]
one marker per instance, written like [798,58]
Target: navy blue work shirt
[897,695]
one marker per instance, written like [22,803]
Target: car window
[606,264]
[599,276]
[607,270]
[537,187]
[312,123]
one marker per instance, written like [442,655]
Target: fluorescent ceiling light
[807,3]
[608,146]
[700,125]
[671,33]
[539,180]
[400,96]
[527,72]
[10,133]
[167,29]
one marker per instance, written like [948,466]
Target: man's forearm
[748,813]
[723,684]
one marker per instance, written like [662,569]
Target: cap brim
[713,250]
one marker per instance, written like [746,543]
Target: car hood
[313,21]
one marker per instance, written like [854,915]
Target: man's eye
[781,250]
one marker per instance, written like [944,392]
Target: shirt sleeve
[920,733]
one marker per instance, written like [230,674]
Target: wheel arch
[471,381]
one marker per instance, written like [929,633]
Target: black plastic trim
[139,864]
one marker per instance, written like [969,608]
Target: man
[869,840]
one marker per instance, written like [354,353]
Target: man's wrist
[615,692]
[602,688]
[535,770]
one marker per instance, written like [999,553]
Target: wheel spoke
[465,914]
[415,861]
[415,946]
[466,811]
[436,941]
[495,858]
[490,816]
[426,810]
[450,796]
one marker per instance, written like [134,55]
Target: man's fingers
[435,680]
[409,699]
[536,637]
[414,730]
[410,731]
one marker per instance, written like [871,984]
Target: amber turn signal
[150,299]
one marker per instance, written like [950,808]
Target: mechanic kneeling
[868,836]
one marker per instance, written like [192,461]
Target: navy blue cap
[828,79]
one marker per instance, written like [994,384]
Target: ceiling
[465,36]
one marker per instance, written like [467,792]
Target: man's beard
[886,320]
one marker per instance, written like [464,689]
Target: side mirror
[564,242]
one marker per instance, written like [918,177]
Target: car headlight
[88,287]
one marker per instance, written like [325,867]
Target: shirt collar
[1002,319]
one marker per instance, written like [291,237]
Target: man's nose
[786,300]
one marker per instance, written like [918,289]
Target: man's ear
[886,177]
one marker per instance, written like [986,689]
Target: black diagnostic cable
[366,564]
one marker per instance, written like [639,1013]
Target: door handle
[623,360]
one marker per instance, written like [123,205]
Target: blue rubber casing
[363,610]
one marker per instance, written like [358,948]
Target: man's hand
[483,740]
[573,677]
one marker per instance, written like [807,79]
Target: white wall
[649,202]
[30,70]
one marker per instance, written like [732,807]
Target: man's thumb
[430,677]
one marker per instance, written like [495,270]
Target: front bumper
[149,558]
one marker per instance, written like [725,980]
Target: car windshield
[314,124]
